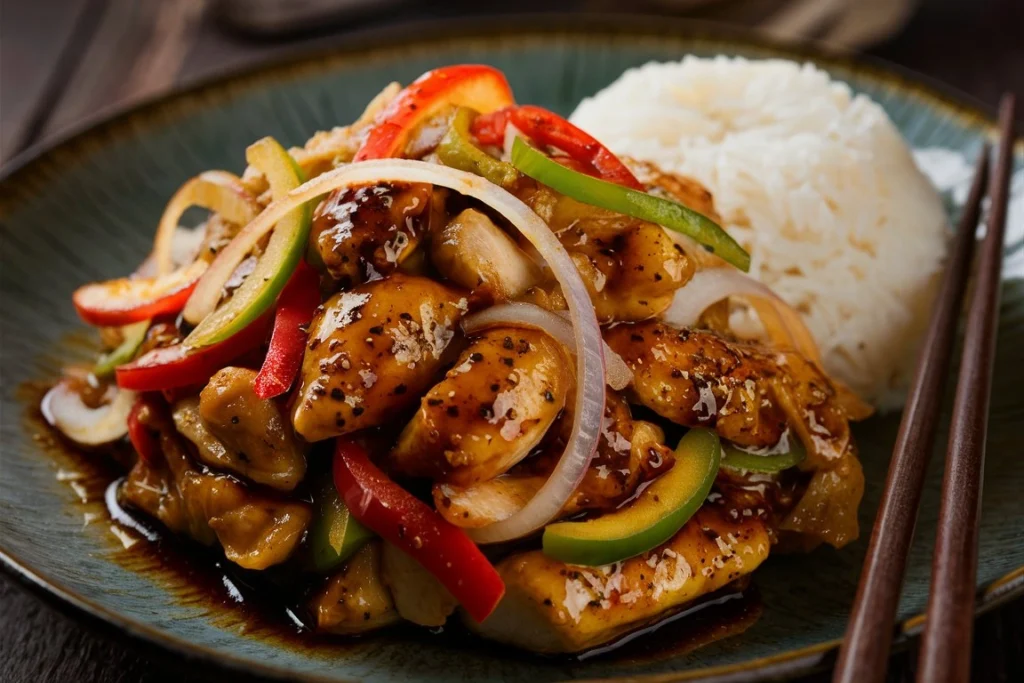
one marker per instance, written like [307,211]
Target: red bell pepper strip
[129,300]
[298,301]
[549,129]
[144,439]
[477,86]
[176,366]
[409,524]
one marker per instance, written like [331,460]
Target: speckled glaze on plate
[86,209]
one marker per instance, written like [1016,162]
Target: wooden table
[67,61]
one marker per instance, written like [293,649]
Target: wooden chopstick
[864,654]
[945,655]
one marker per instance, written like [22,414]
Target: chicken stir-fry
[443,386]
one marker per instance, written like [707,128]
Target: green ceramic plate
[86,209]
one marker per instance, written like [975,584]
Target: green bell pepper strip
[132,337]
[647,207]
[737,459]
[653,517]
[284,251]
[458,151]
[335,535]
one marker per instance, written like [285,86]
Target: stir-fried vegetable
[335,534]
[145,442]
[284,251]
[220,192]
[458,151]
[181,365]
[409,524]
[295,309]
[653,517]
[476,86]
[64,409]
[647,207]
[132,337]
[783,325]
[551,130]
[787,453]
[129,300]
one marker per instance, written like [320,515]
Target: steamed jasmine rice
[815,182]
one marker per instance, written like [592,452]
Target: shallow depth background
[63,62]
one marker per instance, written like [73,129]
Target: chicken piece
[419,597]
[474,253]
[489,411]
[256,530]
[355,599]
[697,379]
[235,430]
[372,351]
[366,231]
[752,396]
[631,268]
[553,607]
[629,452]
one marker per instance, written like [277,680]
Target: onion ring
[218,191]
[711,285]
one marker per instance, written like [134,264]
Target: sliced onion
[522,314]
[711,285]
[63,408]
[218,191]
[589,408]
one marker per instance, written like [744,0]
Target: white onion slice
[618,374]
[589,408]
[711,285]
[218,191]
[64,409]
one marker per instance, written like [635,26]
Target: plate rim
[419,36]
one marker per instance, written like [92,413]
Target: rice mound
[817,185]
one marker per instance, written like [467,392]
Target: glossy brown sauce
[265,605]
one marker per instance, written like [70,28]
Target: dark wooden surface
[63,62]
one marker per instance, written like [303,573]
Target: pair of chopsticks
[945,654]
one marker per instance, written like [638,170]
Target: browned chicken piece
[355,599]
[257,530]
[366,231]
[752,396]
[553,607]
[235,430]
[631,268]
[629,452]
[489,411]
[749,394]
[419,597]
[474,253]
[373,351]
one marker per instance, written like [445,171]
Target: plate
[87,208]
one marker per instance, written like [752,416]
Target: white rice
[817,184]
